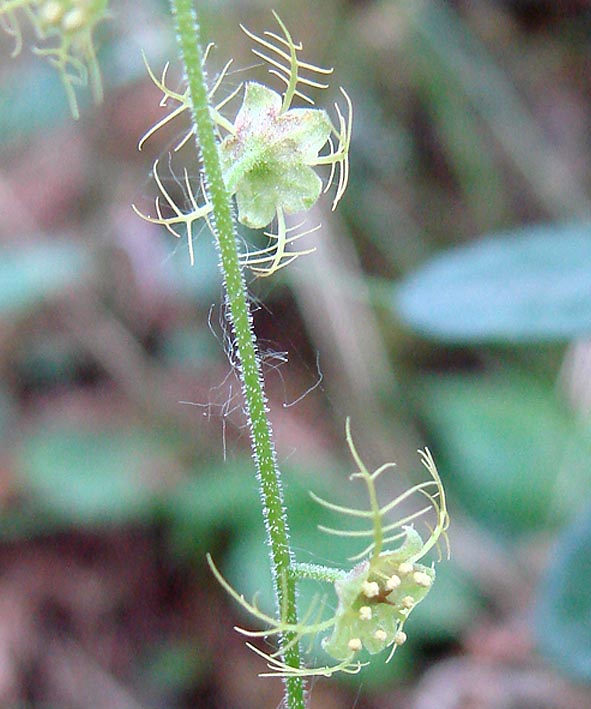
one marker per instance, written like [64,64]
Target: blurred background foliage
[448,304]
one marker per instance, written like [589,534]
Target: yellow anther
[407,602]
[400,638]
[422,579]
[365,613]
[405,568]
[393,582]
[370,589]
[355,644]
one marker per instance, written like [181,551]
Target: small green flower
[269,150]
[65,29]
[377,596]
[267,160]
[375,599]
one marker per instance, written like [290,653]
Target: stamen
[355,644]
[370,589]
[408,602]
[365,613]
[400,638]
[380,635]
[405,568]
[422,579]
[393,582]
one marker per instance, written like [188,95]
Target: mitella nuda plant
[268,155]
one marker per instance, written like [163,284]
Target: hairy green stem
[317,572]
[245,340]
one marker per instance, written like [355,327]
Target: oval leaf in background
[22,113]
[213,503]
[563,611]
[530,285]
[512,452]
[30,274]
[88,478]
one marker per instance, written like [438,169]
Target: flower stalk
[246,346]
[264,161]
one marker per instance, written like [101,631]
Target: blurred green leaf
[507,448]
[173,667]
[246,559]
[223,497]
[531,285]
[32,273]
[46,360]
[82,477]
[563,612]
[194,283]
[448,610]
[190,346]
[6,410]
[22,112]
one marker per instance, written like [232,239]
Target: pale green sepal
[260,106]
[306,130]
[255,208]
[265,161]
[409,550]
